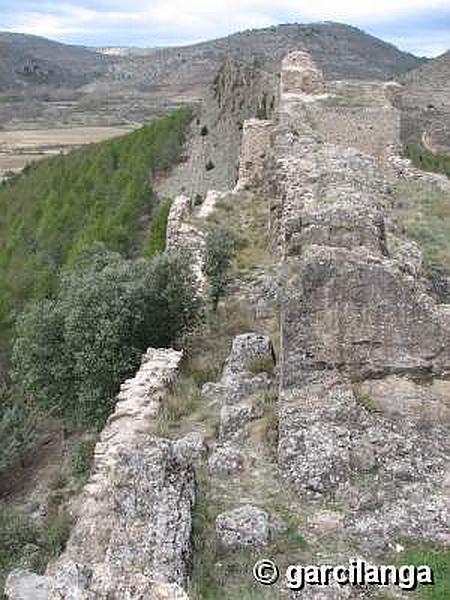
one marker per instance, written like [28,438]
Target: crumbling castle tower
[300,75]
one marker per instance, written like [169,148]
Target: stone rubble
[245,526]
[238,377]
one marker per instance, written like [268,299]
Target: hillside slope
[426,104]
[341,51]
[27,60]
[61,207]
[140,85]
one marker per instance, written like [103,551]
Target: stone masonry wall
[299,75]
[131,537]
[358,115]
[183,236]
[254,151]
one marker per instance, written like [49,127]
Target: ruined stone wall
[132,532]
[404,169]
[255,148]
[362,411]
[358,115]
[184,236]
[361,311]
[299,75]
[364,313]
[356,323]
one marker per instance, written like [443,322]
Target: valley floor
[19,148]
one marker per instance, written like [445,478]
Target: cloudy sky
[419,26]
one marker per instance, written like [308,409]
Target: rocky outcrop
[347,303]
[248,372]
[243,526]
[245,371]
[355,322]
[131,537]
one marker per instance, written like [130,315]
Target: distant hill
[342,52]
[426,104]
[45,84]
[27,60]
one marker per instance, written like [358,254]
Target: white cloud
[421,45]
[179,21]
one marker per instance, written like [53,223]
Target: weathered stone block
[300,75]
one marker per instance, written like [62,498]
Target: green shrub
[19,431]
[25,544]
[439,561]
[81,459]
[261,364]
[71,354]
[16,531]
[204,131]
[54,535]
[158,230]
[426,160]
[210,165]
[220,247]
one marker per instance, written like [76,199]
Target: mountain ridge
[32,60]
[342,51]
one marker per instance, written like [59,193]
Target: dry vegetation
[422,211]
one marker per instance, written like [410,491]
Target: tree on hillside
[70,355]
[220,246]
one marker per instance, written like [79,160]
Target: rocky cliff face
[240,92]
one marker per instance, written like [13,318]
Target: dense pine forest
[56,209]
